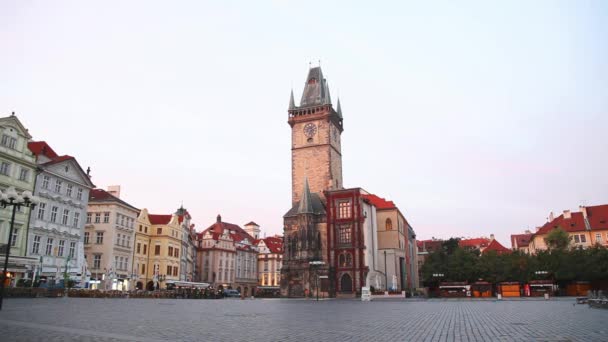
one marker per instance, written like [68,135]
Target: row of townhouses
[586,228]
[98,240]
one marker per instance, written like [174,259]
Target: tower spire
[305,206]
[292,103]
[339,109]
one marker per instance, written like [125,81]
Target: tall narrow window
[5,168]
[54,214]
[36,244]
[86,238]
[389,224]
[344,209]
[66,215]
[58,184]
[157,250]
[97,217]
[49,246]
[79,194]
[41,209]
[68,190]
[106,217]
[45,182]
[24,175]
[99,238]
[14,237]
[344,234]
[97,261]
[76,219]
[72,249]
[89,215]
[61,248]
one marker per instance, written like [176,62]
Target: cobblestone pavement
[86,319]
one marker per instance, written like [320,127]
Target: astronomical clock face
[310,130]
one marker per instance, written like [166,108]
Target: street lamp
[10,197]
[315,264]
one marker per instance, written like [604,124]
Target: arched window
[345,260]
[389,224]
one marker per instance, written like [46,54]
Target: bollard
[546,296]
[499,296]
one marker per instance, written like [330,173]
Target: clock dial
[310,130]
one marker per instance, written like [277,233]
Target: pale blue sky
[474,117]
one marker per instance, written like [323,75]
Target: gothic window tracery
[344,234]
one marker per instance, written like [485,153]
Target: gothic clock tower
[316,167]
[315,138]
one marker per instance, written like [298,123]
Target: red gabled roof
[476,243]
[41,148]
[236,233]
[497,247]
[575,223]
[159,219]
[522,240]
[598,217]
[379,202]
[274,244]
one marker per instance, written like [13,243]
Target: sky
[474,117]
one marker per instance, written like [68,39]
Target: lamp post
[385,274]
[315,264]
[10,197]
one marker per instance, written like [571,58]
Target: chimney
[219,218]
[583,210]
[567,214]
[528,231]
[114,190]
[491,237]
[551,217]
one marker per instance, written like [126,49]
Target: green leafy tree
[557,239]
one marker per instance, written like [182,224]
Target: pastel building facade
[270,260]
[227,257]
[18,170]
[108,240]
[56,233]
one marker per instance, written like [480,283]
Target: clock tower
[316,128]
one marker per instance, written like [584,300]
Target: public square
[85,319]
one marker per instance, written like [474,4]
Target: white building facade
[57,223]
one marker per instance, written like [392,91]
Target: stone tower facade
[316,130]
[316,161]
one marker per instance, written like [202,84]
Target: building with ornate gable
[56,233]
[18,170]
[227,257]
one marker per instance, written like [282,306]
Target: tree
[557,239]
[450,246]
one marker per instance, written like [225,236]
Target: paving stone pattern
[88,319]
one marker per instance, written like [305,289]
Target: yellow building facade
[157,250]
